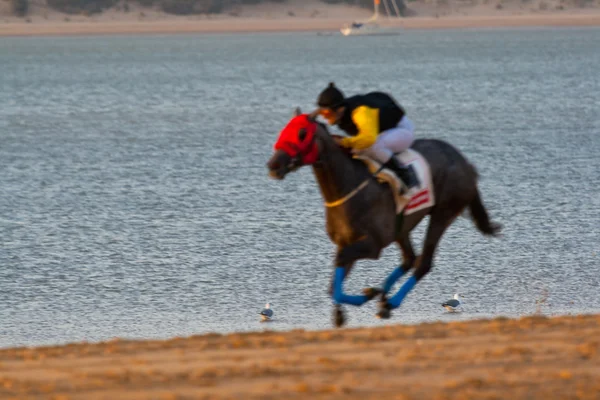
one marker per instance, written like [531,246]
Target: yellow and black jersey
[366,116]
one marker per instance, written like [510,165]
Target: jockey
[376,125]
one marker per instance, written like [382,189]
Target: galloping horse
[361,213]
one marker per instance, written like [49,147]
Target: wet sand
[529,358]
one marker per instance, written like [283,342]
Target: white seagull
[266,313]
[452,304]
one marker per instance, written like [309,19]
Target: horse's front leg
[344,261]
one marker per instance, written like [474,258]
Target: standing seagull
[266,313]
[452,304]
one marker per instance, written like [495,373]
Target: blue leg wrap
[392,279]
[399,297]
[339,297]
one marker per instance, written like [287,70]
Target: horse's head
[296,146]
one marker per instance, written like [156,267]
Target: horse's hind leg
[439,223]
[408,260]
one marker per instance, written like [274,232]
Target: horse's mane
[322,125]
[346,152]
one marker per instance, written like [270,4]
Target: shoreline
[533,357]
[18,28]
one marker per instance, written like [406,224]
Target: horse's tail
[481,217]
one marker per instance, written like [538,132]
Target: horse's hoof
[338,316]
[385,311]
[371,293]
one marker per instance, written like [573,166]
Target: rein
[297,161]
[349,195]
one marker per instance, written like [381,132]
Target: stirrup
[411,176]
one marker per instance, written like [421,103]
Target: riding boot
[406,174]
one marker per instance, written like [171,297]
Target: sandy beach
[533,357]
[300,16]
[281,25]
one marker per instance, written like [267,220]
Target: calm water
[134,201]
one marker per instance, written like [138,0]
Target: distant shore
[178,25]
[528,358]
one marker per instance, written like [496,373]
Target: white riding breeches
[394,140]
